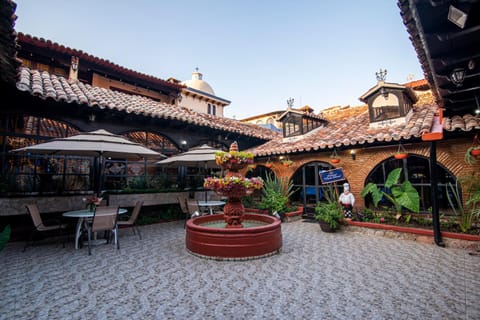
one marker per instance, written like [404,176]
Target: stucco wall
[16,206]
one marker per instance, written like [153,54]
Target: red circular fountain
[234,235]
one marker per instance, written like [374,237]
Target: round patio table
[211,204]
[81,215]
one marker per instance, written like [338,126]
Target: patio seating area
[318,275]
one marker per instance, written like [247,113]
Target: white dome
[197,83]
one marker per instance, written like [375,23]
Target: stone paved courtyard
[317,275]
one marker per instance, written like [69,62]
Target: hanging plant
[472,153]
[286,162]
[269,164]
[401,153]
[334,158]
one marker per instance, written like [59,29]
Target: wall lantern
[457,16]
[353,154]
[457,76]
[384,93]
[91,117]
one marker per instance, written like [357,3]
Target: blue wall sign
[331,176]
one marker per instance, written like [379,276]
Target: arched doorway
[308,186]
[415,169]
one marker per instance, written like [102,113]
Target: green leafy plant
[5,236]
[471,210]
[329,212]
[473,152]
[402,196]
[276,193]
[469,157]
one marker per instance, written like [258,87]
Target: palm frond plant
[471,210]
[402,195]
[276,193]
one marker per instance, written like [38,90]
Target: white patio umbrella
[203,156]
[100,144]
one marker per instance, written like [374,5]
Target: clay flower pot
[335,160]
[268,165]
[475,152]
[400,156]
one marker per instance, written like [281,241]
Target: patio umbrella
[100,144]
[203,156]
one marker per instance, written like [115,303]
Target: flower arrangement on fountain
[233,185]
[224,158]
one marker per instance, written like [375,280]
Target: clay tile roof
[349,127]
[8,51]
[48,44]
[48,86]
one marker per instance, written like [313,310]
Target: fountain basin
[253,242]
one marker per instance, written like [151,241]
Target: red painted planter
[400,156]
[475,152]
[424,232]
[334,161]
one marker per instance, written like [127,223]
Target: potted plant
[334,158]
[269,164]
[329,215]
[286,162]
[275,195]
[401,153]
[473,152]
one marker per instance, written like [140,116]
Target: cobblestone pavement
[344,275]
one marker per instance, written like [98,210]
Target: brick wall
[450,154]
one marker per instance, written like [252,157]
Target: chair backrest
[104,218]
[182,201]
[135,212]
[192,206]
[35,215]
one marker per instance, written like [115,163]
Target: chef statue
[347,200]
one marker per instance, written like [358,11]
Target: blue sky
[256,54]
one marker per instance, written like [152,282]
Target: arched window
[154,141]
[40,174]
[415,169]
[209,108]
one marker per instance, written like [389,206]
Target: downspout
[433,195]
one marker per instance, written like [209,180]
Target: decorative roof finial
[381,75]
[290,103]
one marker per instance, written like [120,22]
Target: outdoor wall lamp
[91,117]
[353,154]
[457,16]
[457,76]
[384,93]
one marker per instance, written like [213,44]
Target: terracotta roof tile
[350,127]
[54,46]
[8,50]
[45,85]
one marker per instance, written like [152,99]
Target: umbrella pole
[204,175]
[99,173]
